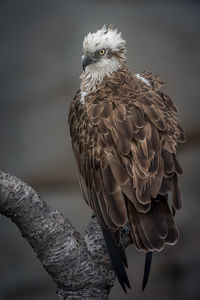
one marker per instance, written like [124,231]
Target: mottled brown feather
[124,138]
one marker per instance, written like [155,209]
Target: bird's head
[103,51]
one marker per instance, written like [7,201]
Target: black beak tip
[87,60]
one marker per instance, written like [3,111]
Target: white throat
[95,73]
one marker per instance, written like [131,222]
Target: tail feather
[152,230]
[117,238]
[118,258]
[147,269]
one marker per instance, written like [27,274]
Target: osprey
[124,133]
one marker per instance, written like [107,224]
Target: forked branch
[79,266]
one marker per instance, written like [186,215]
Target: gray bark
[79,265]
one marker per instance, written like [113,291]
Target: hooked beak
[88,60]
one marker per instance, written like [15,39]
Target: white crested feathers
[104,38]
[110,40]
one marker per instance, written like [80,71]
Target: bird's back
[124,137]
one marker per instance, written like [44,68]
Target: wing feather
[124,140]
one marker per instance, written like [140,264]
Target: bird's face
[103,51]
[94,57]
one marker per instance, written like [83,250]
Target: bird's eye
[102,52]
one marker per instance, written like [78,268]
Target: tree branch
[79,266]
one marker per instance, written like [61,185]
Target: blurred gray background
[40,65]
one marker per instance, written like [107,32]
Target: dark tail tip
[118,259]
[147,269]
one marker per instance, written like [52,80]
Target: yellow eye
[102,51]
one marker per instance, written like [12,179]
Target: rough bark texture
[79,266]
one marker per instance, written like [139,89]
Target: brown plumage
[124,138]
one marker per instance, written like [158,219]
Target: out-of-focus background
[40,65]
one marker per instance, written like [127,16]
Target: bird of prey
[124,133]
